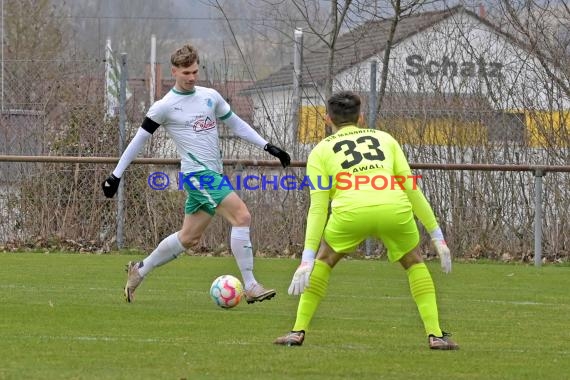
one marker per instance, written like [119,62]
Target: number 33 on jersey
[358,151]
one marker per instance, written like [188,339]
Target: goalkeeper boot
[258,293]
[134,279]
[442,342]
[294,338]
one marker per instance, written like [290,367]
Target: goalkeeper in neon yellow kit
[354,159]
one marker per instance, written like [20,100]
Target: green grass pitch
[63,317]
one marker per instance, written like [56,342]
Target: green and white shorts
[206,190]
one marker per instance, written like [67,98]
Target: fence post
[538,174]
[373,98]
[297,80]
[2,55]
[122,123]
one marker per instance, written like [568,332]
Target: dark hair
[344,108]
[185,56]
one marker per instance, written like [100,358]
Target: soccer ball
[226,291]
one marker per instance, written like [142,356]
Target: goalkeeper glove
[110,186]
[302,274]
[442,250]
[279,153]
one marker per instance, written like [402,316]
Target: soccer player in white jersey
[189,113]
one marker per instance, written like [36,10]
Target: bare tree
[401,10]
[33,41]
[543,25]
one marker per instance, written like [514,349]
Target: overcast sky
[196,15]
[172,21]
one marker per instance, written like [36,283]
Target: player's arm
[421,207]
[318,210]
[246,132]
[316,222]
[425,214]
[111,184]
[242,129]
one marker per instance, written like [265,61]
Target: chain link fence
[485,214]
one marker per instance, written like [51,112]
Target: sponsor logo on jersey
[203,124]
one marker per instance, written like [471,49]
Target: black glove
[110,186]
[279,153]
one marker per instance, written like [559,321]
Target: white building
[450,72]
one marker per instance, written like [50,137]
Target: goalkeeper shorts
[393,224]
[206,190]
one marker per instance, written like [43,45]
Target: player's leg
[234,210]
[171,247]
[423,290]
[326,260]
[312,296]
[423,293]
[167,250]
[199,209]
[342,234]
[400,235]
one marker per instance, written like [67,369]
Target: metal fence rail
[273,163]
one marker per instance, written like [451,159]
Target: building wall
[458,57]
[273,113]
[462,56]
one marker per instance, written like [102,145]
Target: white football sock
[243,253]
[168,249]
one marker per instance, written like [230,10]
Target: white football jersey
[190,120]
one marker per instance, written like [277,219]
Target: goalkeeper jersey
[356,168]
[190,119]
[359,162]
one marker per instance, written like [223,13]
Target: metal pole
[373,96]
[152,89]
[297,69]
[538,174]
[2,54]
[122,124]
[373,99]
[109,103]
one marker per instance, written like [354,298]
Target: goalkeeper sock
[242,251]
[312,296]
[167,250]
[423,292]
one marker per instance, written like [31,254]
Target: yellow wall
[547,129]
[543,129]
[311,124]
[436,131]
